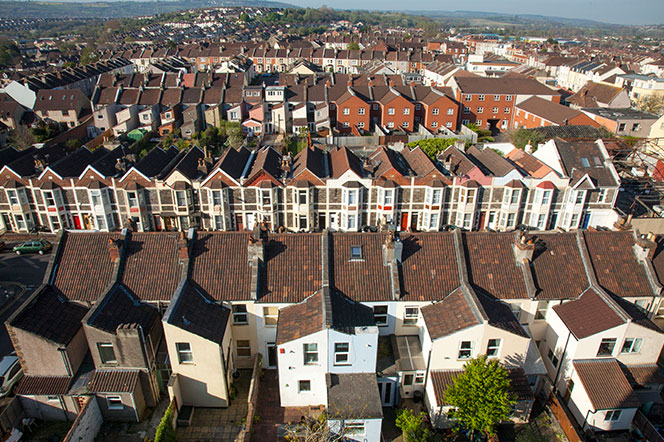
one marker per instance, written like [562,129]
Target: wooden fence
[564,418]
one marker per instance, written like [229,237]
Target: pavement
[20,276]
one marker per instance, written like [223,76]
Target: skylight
[355,252]
[585,162]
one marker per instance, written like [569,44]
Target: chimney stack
[392,249]
[255,249]
[113,250]
[523,248]
[623,223]
[183,247]
[202,166]
[645,246]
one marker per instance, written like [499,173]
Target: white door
[386,389]
[334,221]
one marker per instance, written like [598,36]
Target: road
[19,276]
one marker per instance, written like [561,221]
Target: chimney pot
[113,250]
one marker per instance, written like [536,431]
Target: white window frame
[239,311]
[465,348]
[241,348]
[270,317]
[303,390]
[309,350]
[185,353]
[114,402]
[631,345]
[340,352]
[411,314]
[381,319]
[493,348]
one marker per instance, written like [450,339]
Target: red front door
[482,220]
[77,221]
[404,222]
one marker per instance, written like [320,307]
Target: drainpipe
[560,366]
[585,419]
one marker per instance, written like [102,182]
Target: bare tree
[21,137]
[317,428]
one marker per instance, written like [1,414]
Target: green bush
[165,431]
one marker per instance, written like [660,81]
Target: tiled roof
[43,385]
[152,269]
[642,375]
[366,279]
[492,266]
[558,271]
[84,254]
[51,316]
[588,315]
[113,381]
[299,320]
[121,308]
[443,379]
[509,85]
[341,160]
[550,110]
[616,266]
[292,269]
[448,316]
[199,314]
[528,163]
[596,375]
[429,266]
[219,265]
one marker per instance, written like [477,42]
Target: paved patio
[219,424]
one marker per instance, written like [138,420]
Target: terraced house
[381,316]
[565,184]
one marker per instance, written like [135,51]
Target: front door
[413,221]
[239,225]
[386,389]
[321,221]
[334,222]
[404,222]
[77,222]
[482,220]
[271,355]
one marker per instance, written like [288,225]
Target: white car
[10,373]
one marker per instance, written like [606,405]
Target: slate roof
[145,253]
[219,265]
[596,375]
[617,269]
[113,381]
[119,308]
[593,94]
[362,280]
[311,159]
[233,162]
[571,154]
[557,267]
[292,269]
[491,161]
[43,385]
[588,315]
[84,254]
[354,395]
[152,164]
[491,265]
[51,316]
[428,266]
[197,313]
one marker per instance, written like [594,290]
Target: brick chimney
[183,247]
[645,246]
[523,248]
[113,250]
[623,223]
[392,249]
[255,249]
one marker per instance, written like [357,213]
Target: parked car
[40,246]
[10,373]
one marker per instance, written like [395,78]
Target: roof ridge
[467,290]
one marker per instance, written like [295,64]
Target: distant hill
[516,19]
[116,9]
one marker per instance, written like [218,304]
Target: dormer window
[355,253]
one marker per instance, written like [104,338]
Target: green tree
[89,55]
[165,431]
[413,427]
[244,17]
[9,52]
[73,144]
[521,137]
[21,137]
[234,135]
[353,46]
[433,146]
[481,396]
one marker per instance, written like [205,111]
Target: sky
[629,12]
